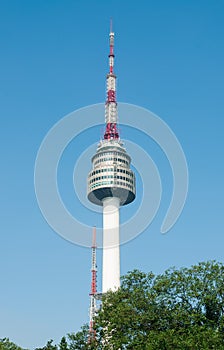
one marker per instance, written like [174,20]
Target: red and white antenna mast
[93,306]
[111,116]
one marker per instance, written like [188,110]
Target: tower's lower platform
[125,195]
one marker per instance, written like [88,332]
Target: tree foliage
[80,340]
[180,309]
[6,344]
[49,346]
[63,345]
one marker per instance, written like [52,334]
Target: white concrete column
[111,244]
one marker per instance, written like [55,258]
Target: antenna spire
[111,25]
[111,117]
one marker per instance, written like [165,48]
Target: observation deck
[111,175]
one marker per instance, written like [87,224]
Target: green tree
[81,340]
[48,346]
[180,309]
[6,344]
[63,345]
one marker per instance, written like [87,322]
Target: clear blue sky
[169,59]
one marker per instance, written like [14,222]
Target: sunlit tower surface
[111,183]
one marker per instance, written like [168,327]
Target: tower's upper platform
[111,175]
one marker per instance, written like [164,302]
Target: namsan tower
[111,183]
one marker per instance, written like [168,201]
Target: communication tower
[111,182]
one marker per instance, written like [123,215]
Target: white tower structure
[111,183]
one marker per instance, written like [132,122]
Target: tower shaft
[111,251]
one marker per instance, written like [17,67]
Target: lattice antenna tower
[93,292]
